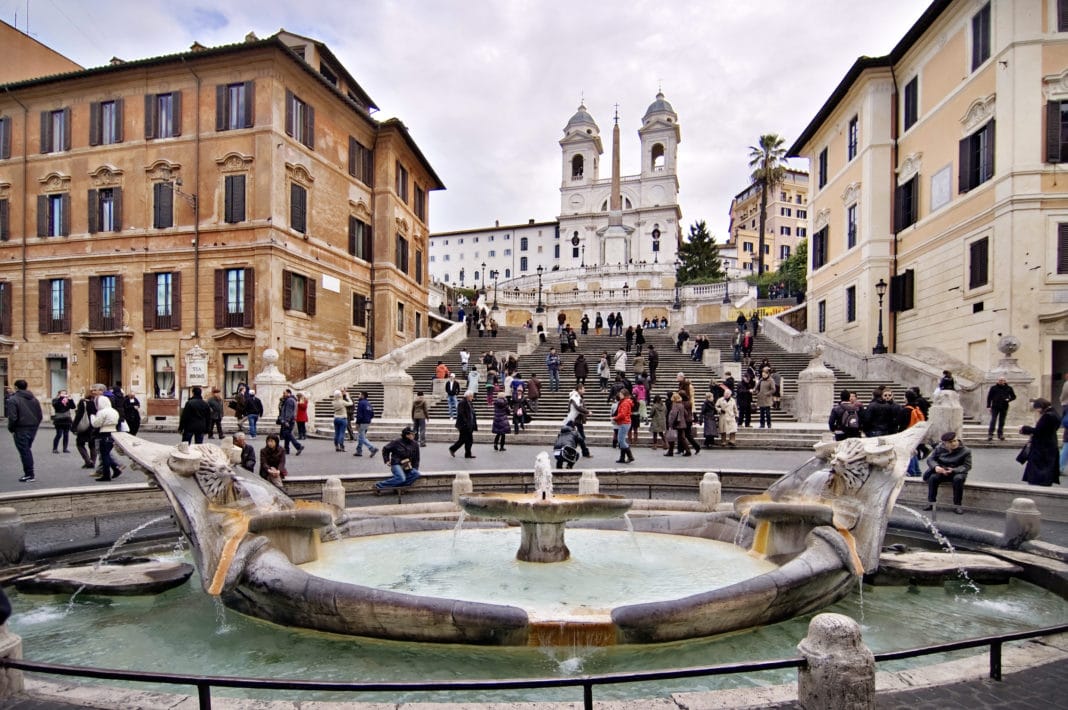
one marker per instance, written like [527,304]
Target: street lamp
[726,291]
[880,348]
[483,277]
[583,262]
[493,275]
[368,322]
[678,304]
[541,307]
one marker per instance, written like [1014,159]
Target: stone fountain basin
[531,508]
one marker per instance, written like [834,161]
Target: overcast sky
[486,86]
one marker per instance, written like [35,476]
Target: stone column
[841,670]
[1023,522]
[815,389]
[588,484]
[269,386]
[1020,380]
[334,493]
[12,536]
[461,485]
[711,491]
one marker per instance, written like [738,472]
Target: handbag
[1025,453]
[83,424]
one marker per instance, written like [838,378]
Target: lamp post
[678,304]
[880,291]
[583,262]
[368,322]
[483,277]
[726,291]
[541,307]
[493,275]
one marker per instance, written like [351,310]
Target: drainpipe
[196,209]
[25,203]
[891,316]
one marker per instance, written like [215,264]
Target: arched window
[522,263]
[523,244]
[657,156]
[507,273]
[577,164]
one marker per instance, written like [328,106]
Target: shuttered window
[235,298]
[105,303]
[162,205]
[5,137]
[976,158]
[300,120]
[359,310]
[979,263]
[235,106]
[911,101]
[822,168]
[104,210]
[5,308]
[298,293]
[1057,131]
[235,199]
[162,299]
[105,122]
[902,288]
[401,186]
[53,306]
[163,115]
[402,254]
[906,203]
[819,248]
[1062,248]
[55,130]
[53,215]
[359,239]
[419,266]
[980,37]
[361,162]
[5,218]
[298,208]
[851,304]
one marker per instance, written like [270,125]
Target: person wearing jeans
[341,403]
[622,420]
[365,412]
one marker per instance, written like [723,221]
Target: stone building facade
[937,170]
[164,221]
[786,225]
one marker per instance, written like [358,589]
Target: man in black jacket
[949,462]
[402,457]
[997,403]
[23,417]
[466,424]
[195,419]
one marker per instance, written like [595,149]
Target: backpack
[850,419]
[915,415]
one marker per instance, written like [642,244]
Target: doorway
[108,367]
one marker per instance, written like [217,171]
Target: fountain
[818,528]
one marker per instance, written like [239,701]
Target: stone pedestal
[269,385]
[1023,522]
[711,491]
[334,493]
[397,388]
[946,414]
[815,390]
[12,536]
[588,484]
[437,388]
[711,357]
[11,681]
[840,672]
[461,485]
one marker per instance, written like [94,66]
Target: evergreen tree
[699,255]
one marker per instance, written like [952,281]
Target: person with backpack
[845,417]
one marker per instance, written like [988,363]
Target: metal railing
[204,683]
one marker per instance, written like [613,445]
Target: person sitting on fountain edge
[402,457]
[950,461]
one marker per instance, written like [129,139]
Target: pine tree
[699,255]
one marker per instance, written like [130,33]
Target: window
[5,308]
[5,137]
[105,303]
[911,101]
[53,215]
[902,287]
[657,157]
[163,115]
[802,231]
[420,204]
[507,252]
[906,204]
[298,208]
[1057,132]
[977,158]
[105,122]
[524,245]
[800,200]
[235,298]
[163,376]
[418,325]
[234,210]
[400,317]
[981,37]
[783,196]
[523,263]
[1062,15]
[821,171]
[402,254]
[360,239]
[298,293]
[979,263]
[507,273]
[786,211]
[5,220]
[300,120]
[819,248]
[577,167]
[236,368]
[851,226]
[747,247]
[235,105]
[851,304]
[162,205]
[784,252]
[162,297]
[359,310]
[105,210]
[361,162]
[854,128]
[821,317]
[1062,248]
[492,253]
[418,267]
[401,187]
[53,306]
[802,214]
[55,130]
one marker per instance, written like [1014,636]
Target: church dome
[582,122]
[660,106]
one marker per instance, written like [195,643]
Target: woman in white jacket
[106,420]
[727,408]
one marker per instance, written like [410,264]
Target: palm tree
[766,160]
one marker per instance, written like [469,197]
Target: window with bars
[235,298]
[162,301]
[105,303]
[235,106]
[821,317]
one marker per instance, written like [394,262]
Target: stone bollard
[840,672]
[334,492]
[461,485]
[11,680]
[1023,522]
[588,484]
[711,491]
[12,536]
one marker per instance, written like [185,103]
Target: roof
[496,228]
[396,123]
[862,64]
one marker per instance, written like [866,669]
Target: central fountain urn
[543,515]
